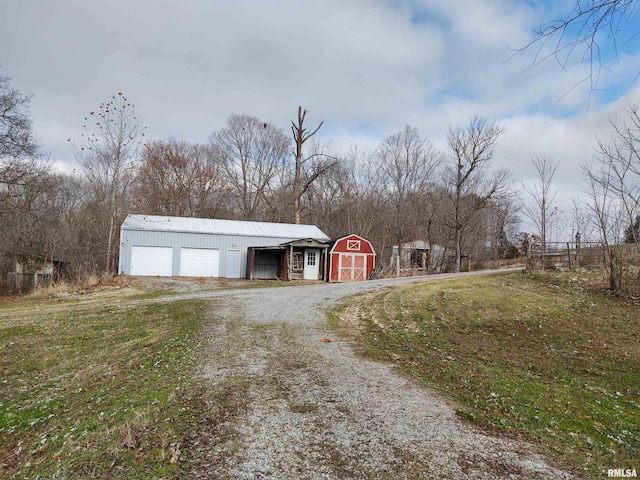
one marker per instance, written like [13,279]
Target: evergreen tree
[632,232]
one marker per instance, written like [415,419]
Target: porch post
[290,263]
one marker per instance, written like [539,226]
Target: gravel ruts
[311,409]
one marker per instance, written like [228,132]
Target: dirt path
[299,408]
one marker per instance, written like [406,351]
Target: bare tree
[613,180]
[541,211]
[25,207]
[181,179]
[17,139]
[431,227]
[468,175]
[327,197]
[25,181]
[590,26]
[278,206]
[107,152]
[407,162]
[619,160]
[37,206]
[363,200]
[307,168]
[349,198]
[32,215]
[252,153]
[19,149]
[608,215]
[582,226]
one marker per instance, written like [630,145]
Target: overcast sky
[366,68]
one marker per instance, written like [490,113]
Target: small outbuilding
[33,272]
[154,245]
[351,259]
[419,254]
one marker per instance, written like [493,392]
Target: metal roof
[156,223]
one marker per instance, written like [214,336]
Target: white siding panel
[151,261]
[199,262]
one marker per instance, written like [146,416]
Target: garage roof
[156,223]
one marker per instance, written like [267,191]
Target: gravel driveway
[308,409]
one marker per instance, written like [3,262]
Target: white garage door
[151,261]
[199,262]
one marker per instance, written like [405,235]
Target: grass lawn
[97,385]
[538,356]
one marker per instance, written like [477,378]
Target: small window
[311,258]
[298,261]
[353,245]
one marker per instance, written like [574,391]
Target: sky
[366,68]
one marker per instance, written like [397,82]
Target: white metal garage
[151,261]
[207,247]
[199,262]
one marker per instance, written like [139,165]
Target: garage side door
[233,264]
[199,262]
[151,261]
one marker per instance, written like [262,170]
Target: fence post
[569,254]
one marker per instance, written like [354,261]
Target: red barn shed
[351,259]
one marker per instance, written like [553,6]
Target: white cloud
[366,68]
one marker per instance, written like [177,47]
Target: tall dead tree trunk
[307,169]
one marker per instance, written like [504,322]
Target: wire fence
[591,260]
[567,255]
[592,256]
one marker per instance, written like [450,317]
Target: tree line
[250,169]
[403,189]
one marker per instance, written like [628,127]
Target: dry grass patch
[96,386]
[543,356]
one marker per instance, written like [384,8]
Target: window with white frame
[353,245]
[298,261]
[311,258]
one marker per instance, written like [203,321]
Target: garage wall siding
[177,240]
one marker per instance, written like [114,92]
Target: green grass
[98,388]
[542,357]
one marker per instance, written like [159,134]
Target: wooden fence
[567,255]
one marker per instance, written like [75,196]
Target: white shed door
[352,267]
[151,261]
[233,263]
[199,262]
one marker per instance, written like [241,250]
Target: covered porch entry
[296,260]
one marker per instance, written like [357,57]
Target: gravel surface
[302,408]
